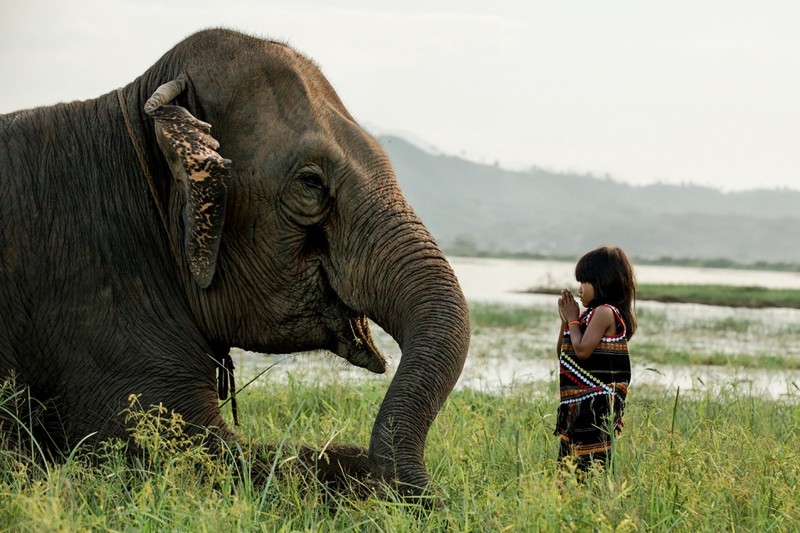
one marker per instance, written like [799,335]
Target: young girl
[593,355]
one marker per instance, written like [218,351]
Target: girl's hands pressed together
[568,307]
[584,342]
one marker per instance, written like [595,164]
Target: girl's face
[586,293]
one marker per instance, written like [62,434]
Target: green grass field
[711,459]
[683,464]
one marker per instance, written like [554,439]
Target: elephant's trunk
[434,343]
[408,287]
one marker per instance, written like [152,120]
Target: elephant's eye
[306,197]
[312,180]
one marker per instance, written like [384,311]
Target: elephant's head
[294,230]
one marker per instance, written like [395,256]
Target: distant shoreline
[661,261]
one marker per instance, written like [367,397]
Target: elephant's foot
[339,470]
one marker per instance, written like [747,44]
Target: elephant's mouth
[356,345]
[351,338]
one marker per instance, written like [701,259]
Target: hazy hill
[473,207]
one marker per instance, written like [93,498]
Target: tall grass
[700,463]
[710,459]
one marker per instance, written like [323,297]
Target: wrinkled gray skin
[284,237]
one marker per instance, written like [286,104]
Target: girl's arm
[585,342]
[563,325]
[560,338]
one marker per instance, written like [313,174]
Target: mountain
[477,208]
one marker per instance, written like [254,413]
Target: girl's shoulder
[608,314]
[603,312]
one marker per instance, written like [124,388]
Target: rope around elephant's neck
[146,171]
[225,367]
[226,383]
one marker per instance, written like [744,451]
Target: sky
[705,92]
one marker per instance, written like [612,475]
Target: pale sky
[686,91]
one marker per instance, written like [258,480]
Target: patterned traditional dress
[593,394]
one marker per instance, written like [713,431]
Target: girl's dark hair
[611,274]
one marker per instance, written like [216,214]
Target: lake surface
[496,279]
[505,280]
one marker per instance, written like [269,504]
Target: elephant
[138,248]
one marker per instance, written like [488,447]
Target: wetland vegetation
[720,295]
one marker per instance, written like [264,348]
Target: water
[496,363]
[501,279]
[765,331]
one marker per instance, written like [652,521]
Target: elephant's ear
[187,144]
